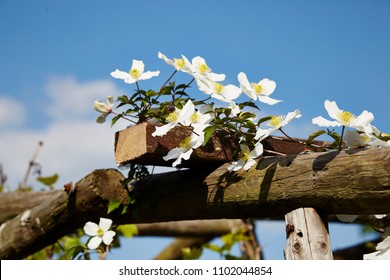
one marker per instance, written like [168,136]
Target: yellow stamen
[365,138]
[245,155]
[100,232]
[179,63]
[257,88]
[185,143]
[203,68]
[194,117]
[275,121]
[218,87]
[134,73]
[172,117]
[346,117]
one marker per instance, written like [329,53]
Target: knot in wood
[297,246]
[289,229]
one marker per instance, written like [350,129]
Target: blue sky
[56,56]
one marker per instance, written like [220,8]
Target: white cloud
[71,149]
[11,112]
[74,144]
[71,99]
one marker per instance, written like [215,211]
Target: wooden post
[307,236]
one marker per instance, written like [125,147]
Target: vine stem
[173,74]
[31,163]
[341,138]
[112,112]
[292,139]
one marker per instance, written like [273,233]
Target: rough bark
[346,182]
[174,250]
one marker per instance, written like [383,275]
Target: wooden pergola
[205,200]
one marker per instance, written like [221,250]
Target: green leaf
[128,231]
[264,120]
[74,251]
[191,253]
[214,248]
[151,93]
[115,204]
[314,135]
[114,119]
[48,181]
[248,104]
[208,132]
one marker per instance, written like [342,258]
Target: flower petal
[108,237]
[216,77]
[174,153]
[186,113]
[246,86]
[332,109]
[257,151]
[101,107]
[249,163]
[268,100]
[91,228]
[263,133]
[268,86]
[186,155]
[117,74]
[364,120]
[166,59]
[105,224]
[324,122]
[290,116]
[353,139]
[148,74]
[236,165]
[139,65]
[162,130]
[232,92]
[94,242]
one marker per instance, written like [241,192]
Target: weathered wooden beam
[14,203]
[174,250]
[44,224]
[336,182]
[307,236]
[137,145]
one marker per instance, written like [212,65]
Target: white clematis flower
[200,69]
[199,119]
[135,74]
[276,123]
[180,64]
[355,140]
[247,158]
[218,91]
[345,118]
[261,90]
[184,151]
[100,233]
[383,252]
[104,108]
[174,118]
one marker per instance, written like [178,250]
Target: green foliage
[48,181]
[127,231]
[224,250]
